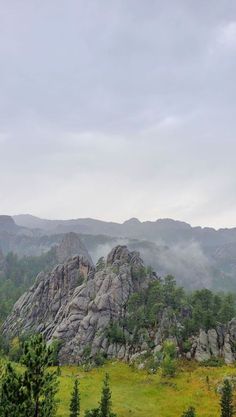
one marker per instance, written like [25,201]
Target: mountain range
[197,257]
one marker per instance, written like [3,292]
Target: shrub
[213,362]
[186,346]
[99,359]
[115,334]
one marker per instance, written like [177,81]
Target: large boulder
[213,342]
[202,352]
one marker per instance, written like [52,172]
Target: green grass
[137,394]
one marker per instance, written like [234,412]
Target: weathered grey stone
[232,330]
[213,342]
[157,349]
[45,303]
[121,353]
[79,313]
[70,246]
[137,355]
[227,351]
[202,352]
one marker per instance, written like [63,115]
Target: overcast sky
[116,109]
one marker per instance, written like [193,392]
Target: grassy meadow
[137,394]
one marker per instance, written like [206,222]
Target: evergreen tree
[100,264]
[40,383]
[226,401]
[75,400]
[104,409]
[189,413]
[168,365]
[105,404]
[13,398]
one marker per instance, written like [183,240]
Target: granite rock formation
[70,246]
[77,303]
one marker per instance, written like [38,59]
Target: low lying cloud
[188,264]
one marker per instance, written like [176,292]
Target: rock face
[70,246]
[76,304]
[39,309]
[219,342]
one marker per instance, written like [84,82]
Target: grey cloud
[188,263]
[115,109]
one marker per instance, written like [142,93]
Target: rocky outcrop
[219,342]
[70,246]
[76,304]
[40,308]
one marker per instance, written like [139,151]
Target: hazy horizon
[115,221]
[116,109]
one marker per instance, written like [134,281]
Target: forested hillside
[18,274]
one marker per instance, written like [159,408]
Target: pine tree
[168,365]
[40,383]
[14,401]
[226,401]
[104,409]
[105,404]
[189,413]
[75,401]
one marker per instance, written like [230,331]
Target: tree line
[200,309]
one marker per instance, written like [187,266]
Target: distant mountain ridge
[165,230]
[197,257]
[7,224]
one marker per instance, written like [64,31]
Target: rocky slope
[77,304]
[39,309]
[219,342]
